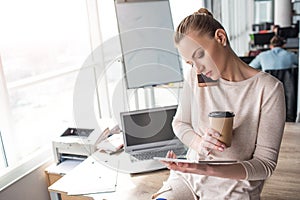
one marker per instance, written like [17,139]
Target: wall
[31,187]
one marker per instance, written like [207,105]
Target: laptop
[148,133]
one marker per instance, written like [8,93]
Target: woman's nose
[199,68]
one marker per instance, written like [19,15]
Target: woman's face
[201,52]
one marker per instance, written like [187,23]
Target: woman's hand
[183,167]
[170,154]
[232,171]
[210,142]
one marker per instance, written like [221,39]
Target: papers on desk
[87,178]
[112,144]
[64,167]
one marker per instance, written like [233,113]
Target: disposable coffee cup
[222,121]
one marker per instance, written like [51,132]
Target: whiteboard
[146,31]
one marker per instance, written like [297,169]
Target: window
[42,45]
[263,11]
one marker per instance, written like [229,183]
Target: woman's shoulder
[267,78]
[268,81]
[259,80]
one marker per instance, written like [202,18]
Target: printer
[77,143]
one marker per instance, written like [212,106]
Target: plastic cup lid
[220,114]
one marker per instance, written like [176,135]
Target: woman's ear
[220,36]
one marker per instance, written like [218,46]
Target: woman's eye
[200,55]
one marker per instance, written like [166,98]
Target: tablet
[179,160]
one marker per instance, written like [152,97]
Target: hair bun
[203,11]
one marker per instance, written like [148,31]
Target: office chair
[289,78]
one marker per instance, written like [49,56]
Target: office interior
[61,67]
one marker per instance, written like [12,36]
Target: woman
[256,98]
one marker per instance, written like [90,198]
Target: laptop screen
[148,126]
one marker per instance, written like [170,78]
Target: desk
[137,186]
[283,184]
[133,187]
[56,172]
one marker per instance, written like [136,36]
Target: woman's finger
[213,133]
[213,140]
[213,136]
[171,154]
[213,143]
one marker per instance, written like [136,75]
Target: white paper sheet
[87,178]
[64,167]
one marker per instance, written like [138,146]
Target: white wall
[31,187]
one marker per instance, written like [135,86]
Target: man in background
[275,58]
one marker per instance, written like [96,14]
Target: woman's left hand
[188,167]
[184,167]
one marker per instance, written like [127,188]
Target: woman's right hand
[210,142]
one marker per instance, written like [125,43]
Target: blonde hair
[202,22]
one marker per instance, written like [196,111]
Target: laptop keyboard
[159,153]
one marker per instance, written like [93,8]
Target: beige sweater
[259,106]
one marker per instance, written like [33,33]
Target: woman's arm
[182,120]
[232,171]
[183,128]
[270,131]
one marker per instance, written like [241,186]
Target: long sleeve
[270,130]
[182,120]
